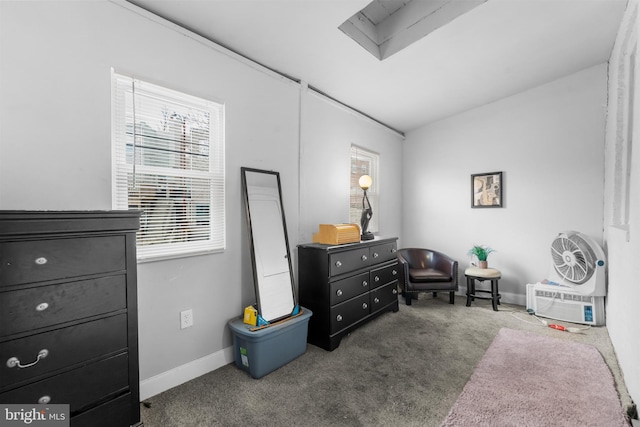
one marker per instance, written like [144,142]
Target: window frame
[364,161]
[203,182]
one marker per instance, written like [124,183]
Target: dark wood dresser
[346,285]
[68,313]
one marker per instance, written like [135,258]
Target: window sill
[164,257]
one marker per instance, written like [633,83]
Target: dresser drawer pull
[338,264]
[376,279]
[339,292]
[375,255]
[363,257]
[393,250]
[365,283]
[42,306]
[44,400]
[395,292]
[14,361]
[365,305]
[41,261]
[394,272]
[376,300]
[339,318]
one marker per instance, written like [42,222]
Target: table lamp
[365,183]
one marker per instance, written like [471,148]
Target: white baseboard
[181,374]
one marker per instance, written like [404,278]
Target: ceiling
[497,49]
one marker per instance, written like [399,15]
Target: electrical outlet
[186,319]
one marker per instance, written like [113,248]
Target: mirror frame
[252,246]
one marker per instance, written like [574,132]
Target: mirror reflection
[273,276]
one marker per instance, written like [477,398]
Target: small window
[168,159]
[363,162]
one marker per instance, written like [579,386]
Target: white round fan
[578,262]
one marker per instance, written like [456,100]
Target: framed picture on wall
[487,190]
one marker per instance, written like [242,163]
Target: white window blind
[363,162]
[168,158]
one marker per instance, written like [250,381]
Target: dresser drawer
[34,308]
[78,388]
[121,412]
[36,261]
[383,252]
[382,276]
[349,312]
[65,347]
[383,296]
[344,262]
[342,290]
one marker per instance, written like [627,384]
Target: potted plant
[481,252]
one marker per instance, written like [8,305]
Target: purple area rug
[526,379]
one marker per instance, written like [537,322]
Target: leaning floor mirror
[269,244]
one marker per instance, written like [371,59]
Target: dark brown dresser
[68,313]
[345,286]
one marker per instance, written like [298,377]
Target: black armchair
[426,270]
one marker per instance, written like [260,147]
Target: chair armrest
[445,263]
[404,272]
[455,272]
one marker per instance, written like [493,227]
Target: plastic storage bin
[263,351]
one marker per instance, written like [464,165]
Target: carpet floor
[402,369]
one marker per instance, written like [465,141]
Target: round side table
[474,274]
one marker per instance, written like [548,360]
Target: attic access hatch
[385,27]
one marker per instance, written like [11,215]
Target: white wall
[328,133]
[623,237]
[549,143]
[55,146]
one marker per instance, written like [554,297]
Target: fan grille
[573,258]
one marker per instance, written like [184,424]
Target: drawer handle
[394,272]
[365,283]
[42,306]
[41,261]
[376,300]
[338,264]
[44,400]
[375,255]
[339,292]
[376,279]
[393,250]
[14,361]
[339,318]
[395,292]
[364,257]
[365,305]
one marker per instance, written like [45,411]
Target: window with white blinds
[168,160]
[363,162]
